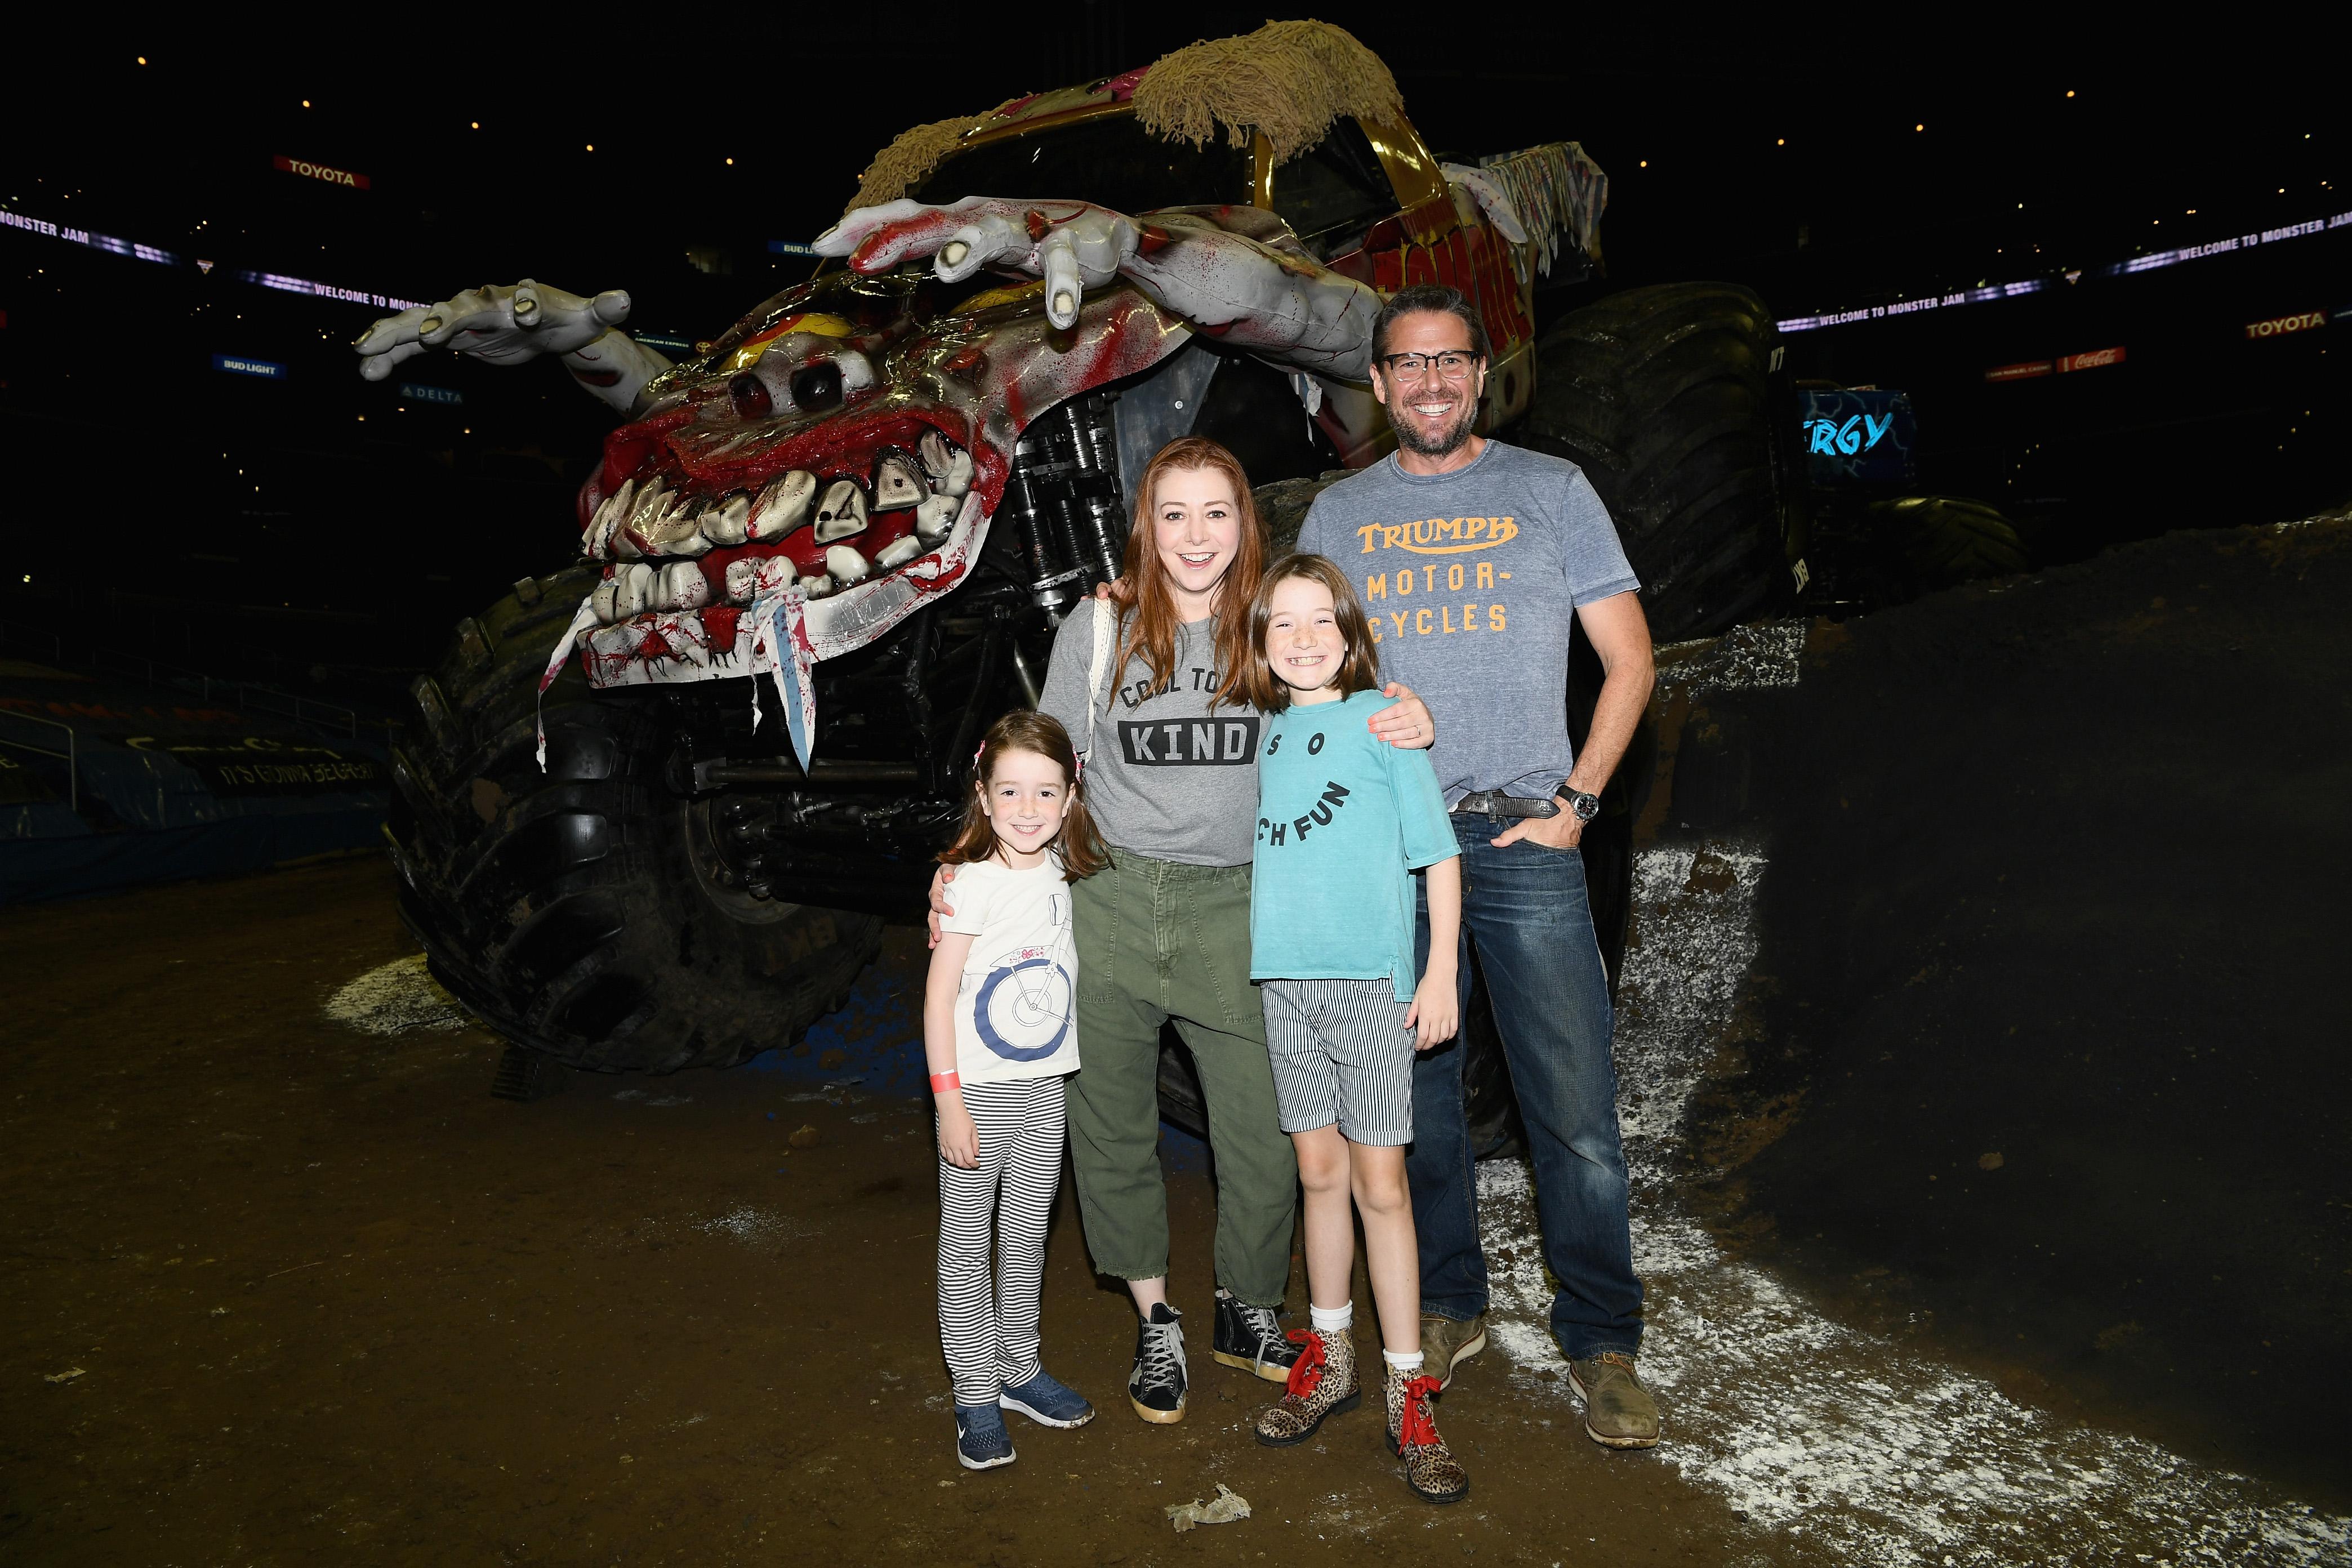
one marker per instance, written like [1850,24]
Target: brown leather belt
[1494,804]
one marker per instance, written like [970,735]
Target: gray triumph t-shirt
[1471,580]
[1170,776]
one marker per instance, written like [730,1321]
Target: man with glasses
[1474,556]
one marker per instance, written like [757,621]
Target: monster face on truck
[653,805]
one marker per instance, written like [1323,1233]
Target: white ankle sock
[1330,1319]
[1404,1361]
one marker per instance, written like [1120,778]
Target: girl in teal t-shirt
[1343,823]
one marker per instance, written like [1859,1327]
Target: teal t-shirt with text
[1344,820]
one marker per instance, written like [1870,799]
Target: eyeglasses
[1452,364]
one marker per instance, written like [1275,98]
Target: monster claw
[1064,308]
[428,326]
[952,253]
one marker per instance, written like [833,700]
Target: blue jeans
[1524,906]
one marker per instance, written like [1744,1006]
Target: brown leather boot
[1322,1383]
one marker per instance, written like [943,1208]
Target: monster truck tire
[1660,395]
[576,910]
[1939,542]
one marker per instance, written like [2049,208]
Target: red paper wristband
[941,1081]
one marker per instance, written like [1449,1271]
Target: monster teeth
[896,485]
[678,530]
[598,540]
[784,505]
[896,554]
[935,517]
[958,479]
[844,564]
[630,528]
[682,586]
[603,601]
[934,453]
[818,586]
[754,576]
[633,588]
[948,466]
[842,512]
[728,522]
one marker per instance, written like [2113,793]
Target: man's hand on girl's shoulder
[1406,724]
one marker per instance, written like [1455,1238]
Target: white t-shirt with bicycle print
[1016,1005]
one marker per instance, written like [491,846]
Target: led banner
[237,364]
[2063,364]
[1858,435]
[2097,359]
[417,391]
[310,170]
[84,237]
[2148,263]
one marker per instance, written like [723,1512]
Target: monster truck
[821,555]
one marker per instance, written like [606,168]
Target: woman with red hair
[1148,682]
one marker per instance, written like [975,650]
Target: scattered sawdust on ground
[394,998]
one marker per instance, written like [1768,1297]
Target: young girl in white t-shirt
[1000,1029]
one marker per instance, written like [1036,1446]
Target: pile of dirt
[2052,947]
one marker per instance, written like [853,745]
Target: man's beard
[1450,439]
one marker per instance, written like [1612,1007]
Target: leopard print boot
[1430,1468]
[1322,1383]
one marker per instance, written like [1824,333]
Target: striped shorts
[988,1328]
[1341,1053]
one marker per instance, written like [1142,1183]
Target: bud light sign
[1862,436]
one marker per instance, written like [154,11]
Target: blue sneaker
[982,1441]
[1046,1400]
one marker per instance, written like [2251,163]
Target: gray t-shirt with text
[1471,580]
[1170,776]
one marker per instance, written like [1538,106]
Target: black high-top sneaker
[1156,1387]
[1249,1338]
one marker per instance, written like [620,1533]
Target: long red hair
[1148,606]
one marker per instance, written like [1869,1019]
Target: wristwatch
[1586,806]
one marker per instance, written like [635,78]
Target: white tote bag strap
[1105,634]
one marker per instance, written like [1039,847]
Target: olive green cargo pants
[1159,940]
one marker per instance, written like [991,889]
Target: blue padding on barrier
[32,870]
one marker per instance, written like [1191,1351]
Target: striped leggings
[991,1337]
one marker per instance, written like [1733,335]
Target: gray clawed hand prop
[507,324]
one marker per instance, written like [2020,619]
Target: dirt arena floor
[281,1283]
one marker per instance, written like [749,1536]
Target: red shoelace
[1417,1427]
[1307,1370]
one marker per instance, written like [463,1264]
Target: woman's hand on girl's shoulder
[939,880]
[1405,724]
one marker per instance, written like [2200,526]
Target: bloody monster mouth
[816,514]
